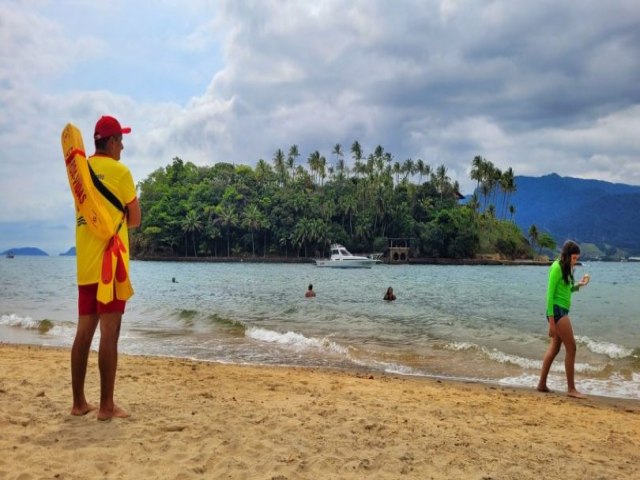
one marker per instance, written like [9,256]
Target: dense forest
[285,209]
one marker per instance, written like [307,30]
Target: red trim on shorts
[88,304]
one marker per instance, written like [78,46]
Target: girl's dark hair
[569,248]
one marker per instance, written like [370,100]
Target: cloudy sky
[541,86]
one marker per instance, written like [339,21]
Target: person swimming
[389,296]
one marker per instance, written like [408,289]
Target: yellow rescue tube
[114,277]
[87,199]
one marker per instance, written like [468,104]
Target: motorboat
[342,258]
[10,255]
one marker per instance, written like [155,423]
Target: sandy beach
[207,420]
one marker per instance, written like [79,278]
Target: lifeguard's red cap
[108,127]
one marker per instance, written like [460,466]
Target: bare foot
[117,412]
[576,394]
[79,411]
[543,389]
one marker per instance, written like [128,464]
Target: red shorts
[88,304]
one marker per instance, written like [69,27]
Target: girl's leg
[565,332]
[549,356]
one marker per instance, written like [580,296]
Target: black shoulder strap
[105,191]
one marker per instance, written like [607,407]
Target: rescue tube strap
[73,153]
[106,193]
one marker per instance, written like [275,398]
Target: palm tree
[212,232]
[314,163]
[319,232]
[397,169]
[441,180]
[322,169]
[284,242]
[545,240]
[423,169]
[477,170]
[278,162]
[303,232]
[292,158]
[408,167]
[496,175]
[341,168]
[485,188]
[363,230]
[190,225]
[376,162]
[228,218]
[379,151]
[356,153]
[533,235]
[263,171]
[301,174]
[337,151]
[490,177]
[254,220]
[486,176]
[328,210]
[508,186]
[348,205]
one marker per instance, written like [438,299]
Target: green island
[284,211]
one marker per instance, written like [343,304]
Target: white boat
[342,258]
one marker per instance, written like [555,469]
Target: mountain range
[33,251]
[588,211]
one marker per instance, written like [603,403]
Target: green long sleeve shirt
[558,292]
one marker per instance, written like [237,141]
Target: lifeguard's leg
[79,358]
[108,363]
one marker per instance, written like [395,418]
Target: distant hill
[588,211]
[69,253]
[26,251]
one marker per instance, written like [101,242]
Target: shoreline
[311,261]
[346,368]
[193,419]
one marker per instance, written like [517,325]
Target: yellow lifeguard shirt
[89,248]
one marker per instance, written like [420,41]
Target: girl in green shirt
[559,289]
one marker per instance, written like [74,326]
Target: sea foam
[498,356]
[615,386]
[295,340]
[14,320]
[611,350]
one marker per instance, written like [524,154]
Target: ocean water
[479,323]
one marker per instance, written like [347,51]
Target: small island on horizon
[25,251]
[34,252]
